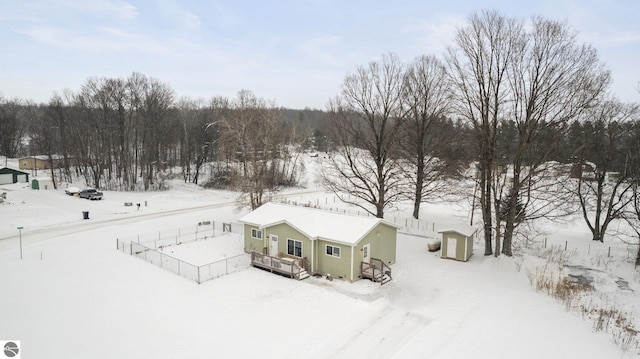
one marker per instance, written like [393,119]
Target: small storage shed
[457,242]
[42,183]
[9,175]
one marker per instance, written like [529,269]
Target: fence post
[565,246]
[609,255]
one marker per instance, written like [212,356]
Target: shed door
[273,245]
[366,253]
[452,247]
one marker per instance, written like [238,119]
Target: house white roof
[461,228]
[315,223]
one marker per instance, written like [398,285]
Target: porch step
[303,274]
[385,279]
[382,278]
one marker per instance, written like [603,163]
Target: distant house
[9,175]
[586,171]
[299,241]
[457,242]
[40,162]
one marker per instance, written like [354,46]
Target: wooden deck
[291,267]
[376,270]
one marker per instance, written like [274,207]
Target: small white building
[457,242]
[42,183]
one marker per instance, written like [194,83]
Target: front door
[366,253]
[273,245]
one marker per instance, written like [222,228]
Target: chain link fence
[176,236]
[148,248]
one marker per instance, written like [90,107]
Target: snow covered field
[73,295]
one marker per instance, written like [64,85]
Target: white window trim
[253,233]
[332,251]
[301,247]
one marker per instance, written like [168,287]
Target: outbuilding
[457,242]
[300,241]
[9,175]
[42,183]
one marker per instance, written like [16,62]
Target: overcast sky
[295,53]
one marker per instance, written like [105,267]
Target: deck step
[303,275]
[385,279]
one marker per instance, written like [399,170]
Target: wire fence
[150,251]
[413,226]
[168,237]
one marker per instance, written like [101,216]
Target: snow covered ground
[73,295]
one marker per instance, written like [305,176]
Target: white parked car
[72,190]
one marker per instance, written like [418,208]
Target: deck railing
[287,266]
[376,270]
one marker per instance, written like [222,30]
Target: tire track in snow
[381,337]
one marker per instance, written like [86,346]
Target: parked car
[91,193]
[72,190]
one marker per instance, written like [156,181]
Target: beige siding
[461,244]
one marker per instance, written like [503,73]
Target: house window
[256,233]
[294,248]
[333,251]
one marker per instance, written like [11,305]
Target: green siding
[337,267]
[383,246]
[252,244]
[284,232]
[382,240]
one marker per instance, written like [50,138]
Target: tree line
[526,98]
[509,99]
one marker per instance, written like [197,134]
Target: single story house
[9,175]
[319,242]
[44,183]
[41,162]
[457,242]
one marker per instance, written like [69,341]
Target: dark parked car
[91,193]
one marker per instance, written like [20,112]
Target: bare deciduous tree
[366,126]
[252,136]
[605,193]
[552,81]
[478,67]
[426,98]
